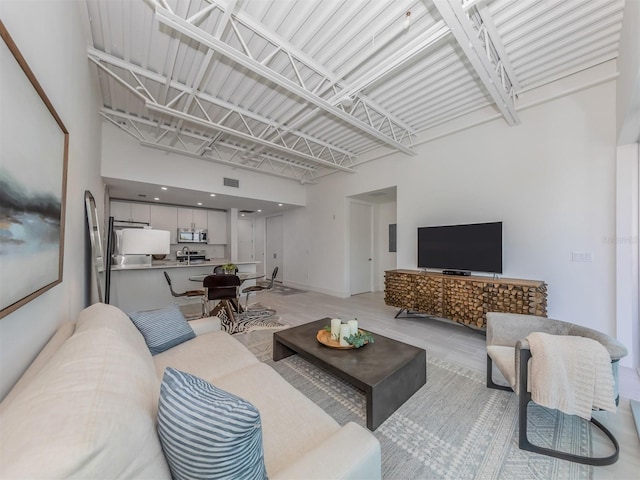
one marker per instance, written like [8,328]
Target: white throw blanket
[570,374]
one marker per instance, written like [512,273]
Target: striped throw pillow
[207,432]
[163,328]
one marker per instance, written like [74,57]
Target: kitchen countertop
[175,264]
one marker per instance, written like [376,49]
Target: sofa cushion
[89,413]
[206,432]
[207,356]
[163,328]
[292,425]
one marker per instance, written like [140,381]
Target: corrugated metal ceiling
[299,89]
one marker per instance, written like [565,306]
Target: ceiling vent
[231,182]
[247,211]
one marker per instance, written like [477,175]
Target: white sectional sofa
[87,406]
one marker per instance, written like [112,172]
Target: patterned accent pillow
[207,432]
[163,328]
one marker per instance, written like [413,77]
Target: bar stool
[225,289]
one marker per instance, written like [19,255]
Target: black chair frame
[189,293]
[523,402]
[259,288]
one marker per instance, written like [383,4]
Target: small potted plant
[229,268]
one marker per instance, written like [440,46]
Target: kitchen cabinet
[192,218]
[217,226]
[130,212]
[165,218]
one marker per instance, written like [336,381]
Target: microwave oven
[189,235]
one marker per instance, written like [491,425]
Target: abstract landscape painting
[33,165]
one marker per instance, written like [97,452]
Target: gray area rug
[452,428]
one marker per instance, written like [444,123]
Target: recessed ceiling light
[199,203]
[212,194]
[242,214]
[163,188]
[259,211]
[156,198]
[279,204]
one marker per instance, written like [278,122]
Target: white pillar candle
[353,326]
[335,328]
[344,332]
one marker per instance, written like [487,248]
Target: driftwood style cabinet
[463,299]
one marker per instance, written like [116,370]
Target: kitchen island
[143,287]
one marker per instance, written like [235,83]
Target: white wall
[628,83]
[551,180]
[628,250]
[154,166]
[51,36]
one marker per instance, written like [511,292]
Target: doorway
[273,257]
[360,248]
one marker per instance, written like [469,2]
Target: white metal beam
[419,45]
[481,53]
[338,156]
[132,125]
[331,79]
[181,25]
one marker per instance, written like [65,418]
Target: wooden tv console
[463,299]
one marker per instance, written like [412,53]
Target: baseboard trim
[311,288]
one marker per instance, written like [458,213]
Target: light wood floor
[455,344]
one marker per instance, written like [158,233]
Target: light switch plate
[581,257]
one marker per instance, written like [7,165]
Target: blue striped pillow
[162,328]
[207,432]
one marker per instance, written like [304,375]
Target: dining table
[243,276]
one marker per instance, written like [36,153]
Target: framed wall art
[34,147]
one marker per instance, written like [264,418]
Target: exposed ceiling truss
[480,43]
[300,76]
[296,145]
[300,90]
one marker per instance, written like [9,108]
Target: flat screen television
[475,247]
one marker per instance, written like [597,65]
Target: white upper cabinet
[165,218]
[217,222]
[192,218]
[130,212]
[199,218]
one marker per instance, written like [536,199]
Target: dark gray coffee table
[388,371]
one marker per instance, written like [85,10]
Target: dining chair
[223,288]
[259,288]
[188,293]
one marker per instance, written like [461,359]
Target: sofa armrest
[351,453]
[204,325]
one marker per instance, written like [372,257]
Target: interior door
[273,257]
[361,248]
